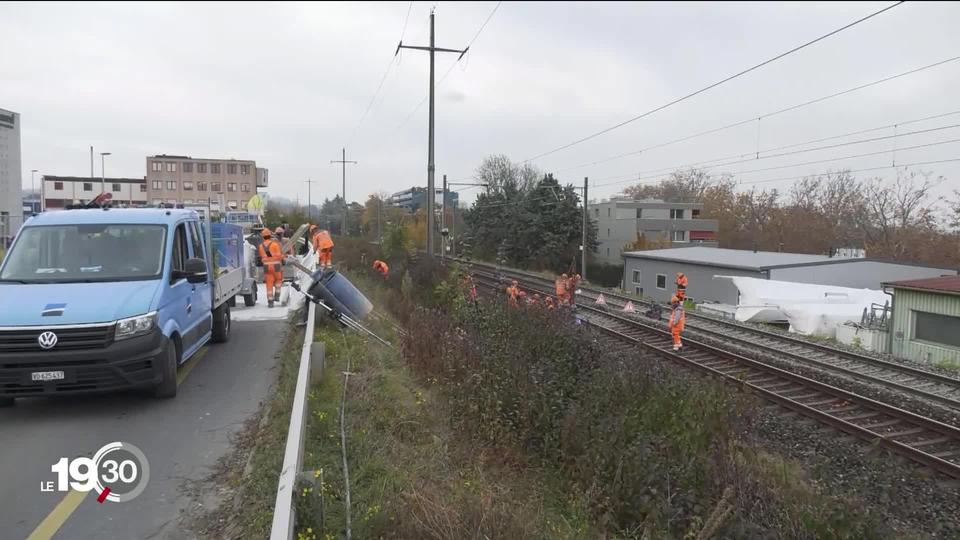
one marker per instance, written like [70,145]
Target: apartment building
[58,192]
[11,209]
[652,223]
[226,183]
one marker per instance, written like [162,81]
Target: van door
[182,292]
[201,315]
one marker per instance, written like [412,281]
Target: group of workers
[516,297]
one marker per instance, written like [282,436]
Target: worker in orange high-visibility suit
[513,293]
[561,289]
[323,245]
[681,286]
[572,285]
[272,256]
[677,320]
[381,267]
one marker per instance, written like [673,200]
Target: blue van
[107,299]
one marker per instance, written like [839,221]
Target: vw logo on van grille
[47,340]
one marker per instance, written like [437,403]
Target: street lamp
[103,173]
[33,188]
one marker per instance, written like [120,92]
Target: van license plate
[46,375]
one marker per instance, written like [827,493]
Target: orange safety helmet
[679,274]
[265,233]
[514,283]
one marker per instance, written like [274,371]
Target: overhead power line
[759,155]
[762,116]
[711,86]
[452,65]
[393,61]
[791,165]
[762,181]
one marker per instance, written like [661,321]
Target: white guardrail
[284,515]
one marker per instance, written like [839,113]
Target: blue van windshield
[84,253]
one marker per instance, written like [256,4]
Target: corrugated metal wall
[702,286]
[905,303]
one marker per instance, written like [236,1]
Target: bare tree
[894,212]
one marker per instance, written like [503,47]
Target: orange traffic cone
[600,301]
[629,308]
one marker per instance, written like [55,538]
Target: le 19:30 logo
[118,472]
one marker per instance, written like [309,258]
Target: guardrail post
[317,361]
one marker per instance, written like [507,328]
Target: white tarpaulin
[809,308]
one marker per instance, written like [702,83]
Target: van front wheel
[168,377]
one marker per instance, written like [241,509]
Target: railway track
[923,440]
[933,387]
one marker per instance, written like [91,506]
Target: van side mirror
[195,271]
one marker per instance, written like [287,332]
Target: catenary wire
[711,86]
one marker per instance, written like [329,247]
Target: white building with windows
[58,192]
[11,205]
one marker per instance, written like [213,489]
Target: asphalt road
[182,438]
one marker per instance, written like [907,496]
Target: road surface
[182,438]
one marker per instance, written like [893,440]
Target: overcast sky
[286,85]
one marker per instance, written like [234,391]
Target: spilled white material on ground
[291,300]
[809,308]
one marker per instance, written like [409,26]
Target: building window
[188,186]
[216,187]
[639,213]
[608,211]
[157,184]
[143,188]
[638,291]
[676,213]
[58,186]
[608,252]
[201,167]
[636,276]
[116,187]
[231,168]
[172,185]
[231,186]
[661,281]
[597,210]
[244,169]
[171,166]
[679,236]
[201,186]
[608,233]
[695,213]
[245,187]
[935,328]
[187,166]
[215,168]
[87,186]
[155,166]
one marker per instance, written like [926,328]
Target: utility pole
[380,219]
[91,162]
[583,247]
[103,172]
[343,161]
[431,189]
[309,183]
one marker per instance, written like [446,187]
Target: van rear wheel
[168,377]
[221,324]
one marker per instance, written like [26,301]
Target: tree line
[899,218]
